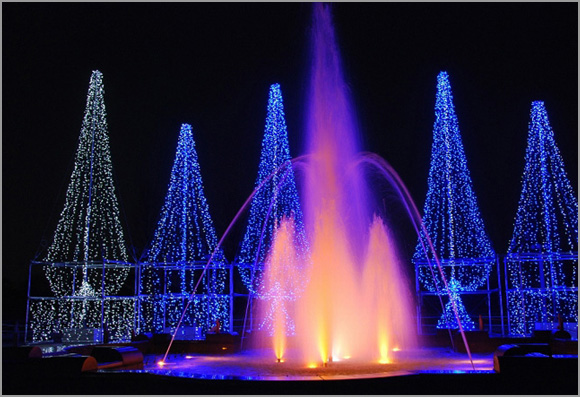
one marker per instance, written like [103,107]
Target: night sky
[211,65]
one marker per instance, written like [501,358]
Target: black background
[211,65]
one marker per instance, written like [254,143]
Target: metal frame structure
[487,290]
[59,322]
[547,293]
[250,320]
[163,295]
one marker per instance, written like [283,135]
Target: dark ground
[527,376]
[28,383]
[210,64]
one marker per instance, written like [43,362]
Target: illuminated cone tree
[87,258]
[451,216]
[184,240]
[276,198]
[542,257]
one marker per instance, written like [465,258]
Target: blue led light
[542,260]
[448,320]
[277,198]
[451,214]
[183,242]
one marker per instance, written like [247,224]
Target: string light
[89,228]
[277,198]
[449,320]
[86,264]
[183,242]
[451,214]
[542,258]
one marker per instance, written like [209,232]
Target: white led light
[86,263]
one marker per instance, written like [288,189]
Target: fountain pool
[250,365]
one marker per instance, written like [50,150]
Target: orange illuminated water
[356,301]
[280,285]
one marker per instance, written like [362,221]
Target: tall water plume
[356,302]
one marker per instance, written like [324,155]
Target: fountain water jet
[279,288]
[356,302]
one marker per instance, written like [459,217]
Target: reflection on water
[250,365]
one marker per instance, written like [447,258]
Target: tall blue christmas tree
[86,260]
[276,198]
[542,257]
[184,240]
[451,217]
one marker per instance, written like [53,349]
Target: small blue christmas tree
[451,215]
[449,320]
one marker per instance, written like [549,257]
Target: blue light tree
[542,256]
[275,199]
[184,240]
[451,217]
[88,253]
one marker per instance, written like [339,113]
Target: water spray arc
[277,199]
[353,270]
[217,249]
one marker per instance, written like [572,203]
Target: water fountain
[348,306]
[349,301]
[356,303]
